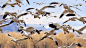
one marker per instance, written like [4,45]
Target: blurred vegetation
[63,39]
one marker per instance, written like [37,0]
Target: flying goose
[71,13]
[9,13]
[73,45]
[17,41]
[27,34]
[68,27]
[80,30]
[65,6]
[82,19]
[46,34]
[58,26]
[12,5]
[17,20]
[50,38]
[41,12]
[29,29]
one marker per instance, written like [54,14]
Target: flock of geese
[28,31]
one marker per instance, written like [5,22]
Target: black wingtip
[70,15]
[56,43]
[11,22]
[73,30]
[25,38]
[8,34]
[5,16]
[38,31]
[61,16]
[24,23]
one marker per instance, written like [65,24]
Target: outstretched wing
[81,29]
[29,9]
[54,3]
[11,37]
[43,37]
[22,39]
[53,39]
[47,7]
[28,2]
[22,15]
[65,11]
[66,21]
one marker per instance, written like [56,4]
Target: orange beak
[18,4]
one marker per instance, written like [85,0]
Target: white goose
[82,19]
[27,34]
[29,29]
[50,38]
[17,41]
[80,30]
[73,45]
[58,26]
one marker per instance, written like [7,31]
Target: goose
[68,27]
[17,41]
[46,34]
[80,30]
[73,45]
[82,19]
[29,29]
[65,6]
[39,3]
[71,13]
[18,1]
[50,38]
[17,20]
[41,12]
[12,5]
[9,13]
[27,34]
[58,26]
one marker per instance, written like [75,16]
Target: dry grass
[63,39]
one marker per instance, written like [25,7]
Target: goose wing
[47,7]
[18,1]
[54,3]
[22,39]
[11,37]
[28,2]
[66,21]
[81,29]
[43,37]
[4,25]
[53,39]
[22,15]
[64,12]
[29,9]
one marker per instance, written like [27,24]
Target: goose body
[73,45]
[17,41]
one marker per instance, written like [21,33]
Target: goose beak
[18,4]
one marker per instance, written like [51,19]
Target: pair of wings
[17,39]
